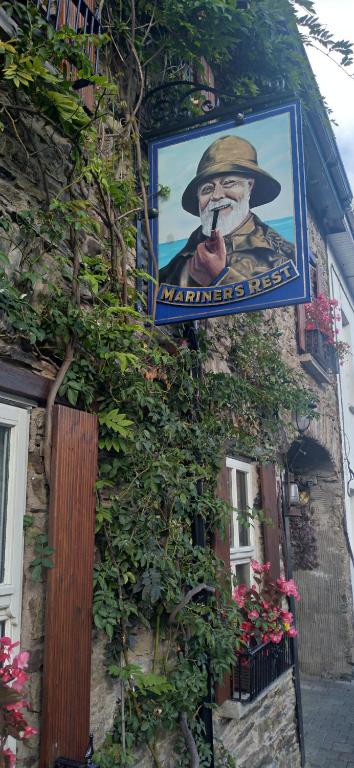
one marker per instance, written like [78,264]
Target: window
[242,543]
[13,465]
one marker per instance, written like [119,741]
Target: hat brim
[264,191]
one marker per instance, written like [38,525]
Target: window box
[324,353]
[255,669]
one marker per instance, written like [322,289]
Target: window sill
[314,369]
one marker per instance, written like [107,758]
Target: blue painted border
[303,290]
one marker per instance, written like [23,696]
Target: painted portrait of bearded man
[231,243]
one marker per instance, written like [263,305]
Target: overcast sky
[335,85]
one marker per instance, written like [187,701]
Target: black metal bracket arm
[181,104]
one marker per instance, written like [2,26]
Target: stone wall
[262,734]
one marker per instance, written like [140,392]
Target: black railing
[255,669]
[75,14]
[324,353]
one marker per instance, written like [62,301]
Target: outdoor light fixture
[303,421]
[294,496]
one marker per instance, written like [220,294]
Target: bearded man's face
[229,194]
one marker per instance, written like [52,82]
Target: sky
[335,85]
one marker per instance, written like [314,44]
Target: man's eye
[230,183]
[206,190]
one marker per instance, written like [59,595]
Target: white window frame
[240,555]
[17,419]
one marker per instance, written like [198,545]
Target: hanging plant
[322,315]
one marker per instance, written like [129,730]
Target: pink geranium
[288,587]
[9,756]
[12,718]
[263,617]
[21,660]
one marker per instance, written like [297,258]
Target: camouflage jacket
[251,249]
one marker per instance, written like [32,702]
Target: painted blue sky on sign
[177,165]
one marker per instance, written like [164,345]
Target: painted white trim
[17,419]
[240,555]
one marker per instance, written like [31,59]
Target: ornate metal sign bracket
[183,104]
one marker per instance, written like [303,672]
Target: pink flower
[266,567]
[256,566]
[11,758]
[21,660]
[288,587]
[28,731]
[275,637]
[286,616]
[292,632]
[253,614]
[21,679]
[239,595]
[16,705]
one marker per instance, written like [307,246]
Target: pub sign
[231,233]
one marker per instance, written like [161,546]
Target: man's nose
[218,191]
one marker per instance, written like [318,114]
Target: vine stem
[189,740]
[188,597]
[139,164]
[47,449]
[68,358]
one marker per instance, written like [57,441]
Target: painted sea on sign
[167,251]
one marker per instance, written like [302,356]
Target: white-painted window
[13,468]
[242,541]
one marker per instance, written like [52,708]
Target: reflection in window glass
[4,474]
[243,574]
[242,505]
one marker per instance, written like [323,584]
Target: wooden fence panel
[67,652]
[270,507]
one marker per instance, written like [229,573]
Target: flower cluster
[322,315]
[264,618]
[12,679]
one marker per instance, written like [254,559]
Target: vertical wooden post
[67,647]
[270,507]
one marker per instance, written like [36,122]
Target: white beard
[228,220]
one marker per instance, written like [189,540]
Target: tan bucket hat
[231,154]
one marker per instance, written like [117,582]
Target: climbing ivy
[163,432]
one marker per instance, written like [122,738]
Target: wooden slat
[301,325]
[22,382]
[222,550]
[270,508]
[67,651]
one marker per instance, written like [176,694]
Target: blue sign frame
[285,282]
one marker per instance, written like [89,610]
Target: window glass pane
[231,500]
[4,480]
[242,505]
[243,574]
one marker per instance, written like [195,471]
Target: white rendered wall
[345,384]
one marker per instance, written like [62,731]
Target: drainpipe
[295,652]
[199,540]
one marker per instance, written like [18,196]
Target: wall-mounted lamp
[294,495]
[303,421]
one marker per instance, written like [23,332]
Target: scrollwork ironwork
[183,103]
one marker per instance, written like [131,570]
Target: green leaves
[147,682]
[43,557]
[116,422]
